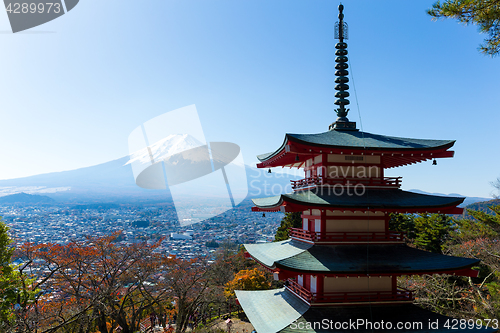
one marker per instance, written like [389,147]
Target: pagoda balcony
[347,237]
[400,295]
[390,182]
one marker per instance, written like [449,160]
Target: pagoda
[341,267]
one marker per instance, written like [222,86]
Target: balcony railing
[400,295]
[392,182]
[348,237]
[299,290]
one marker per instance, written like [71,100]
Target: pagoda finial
[341,76]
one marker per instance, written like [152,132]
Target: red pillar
[394,284]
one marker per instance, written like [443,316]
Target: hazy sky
[72,90]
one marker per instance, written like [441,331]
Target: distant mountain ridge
[482,206]
[24,198]
[467,201]
[114,182]
[107,180]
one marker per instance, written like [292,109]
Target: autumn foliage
[103,285]
[247,279]
[99,285]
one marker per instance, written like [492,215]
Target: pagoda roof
[271,310]
[352,141]
[371,199]
[279,310]
[397,259]
[355,139]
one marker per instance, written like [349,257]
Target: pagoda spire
[342,123]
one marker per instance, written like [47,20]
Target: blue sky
[73,89]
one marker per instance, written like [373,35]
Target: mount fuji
[114,181]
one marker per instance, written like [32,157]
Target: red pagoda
[341,268]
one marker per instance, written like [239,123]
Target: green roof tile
[360,140]
[354,259]
[279,310]
[372,141]
[404,313]
[268,253]
[271,310]
[371,198]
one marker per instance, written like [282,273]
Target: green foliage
[212,243]
[291,220]
[14,286]
[427,231]
[6,250]
[432,231]
[483,206]
[484,13]
[482,225]
[403,223]
[492,221]
[494,298]
[8,276]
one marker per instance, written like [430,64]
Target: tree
[403,223]
[484,13]
[98,284]
[93,285]
[464,297]
[247,279]
[190,284]
[291,220]
[432,231]
[481,226]
[426,231]
[14,295]
[8,277]
[496,185]
[477,237]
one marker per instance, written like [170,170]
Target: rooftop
[369,199]
[297,148]
[394,259]
[279,310]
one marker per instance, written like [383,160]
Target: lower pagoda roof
[271,310]
[362,259]
[361,199]
[279,310]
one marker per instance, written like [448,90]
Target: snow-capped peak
[171,145]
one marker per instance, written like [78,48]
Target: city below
[137,223]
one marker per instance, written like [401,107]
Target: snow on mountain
[171,145]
